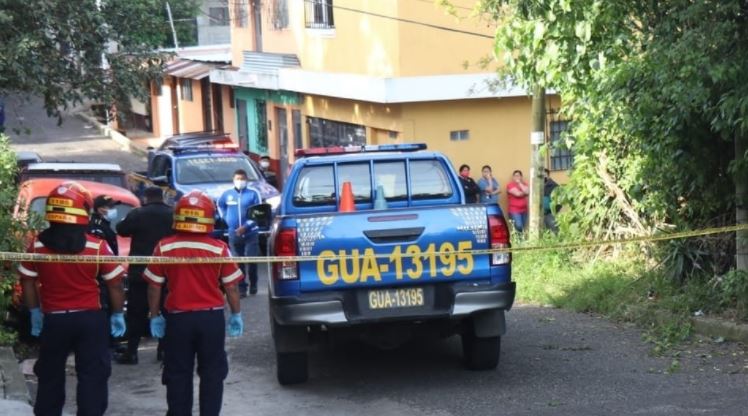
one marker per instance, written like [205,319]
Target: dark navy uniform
[194,321]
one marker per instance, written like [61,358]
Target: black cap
[104,201]
[153,193]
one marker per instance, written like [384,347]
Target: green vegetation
[659,109]
[10,232]
[54,49]
[617,283]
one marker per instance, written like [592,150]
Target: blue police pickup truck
[203,161]
[388,250]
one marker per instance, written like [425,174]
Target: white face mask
[240,183]
[264,164]
[111,214]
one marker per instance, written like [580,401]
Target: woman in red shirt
[517,192]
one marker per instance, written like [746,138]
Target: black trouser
[190,334]
[86,334]
[137,312]
[246,246]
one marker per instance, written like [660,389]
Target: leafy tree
[657,94]
[54,48]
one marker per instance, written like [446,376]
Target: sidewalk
[15,395]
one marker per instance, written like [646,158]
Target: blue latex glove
[236,325]
[37,320]
[158,326]
[117,321]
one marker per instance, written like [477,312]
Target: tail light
[498,233]
[285,246]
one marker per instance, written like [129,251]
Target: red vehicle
[32,197]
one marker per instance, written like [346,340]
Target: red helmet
[69,203]
[194,213]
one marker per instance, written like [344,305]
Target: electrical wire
[240,5]
[400,19]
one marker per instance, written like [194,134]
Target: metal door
[282,129]
[242,124]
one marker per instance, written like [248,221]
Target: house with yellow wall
[307,73]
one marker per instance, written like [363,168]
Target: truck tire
[480,353]
[292,367]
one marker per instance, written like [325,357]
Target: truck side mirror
[262,214]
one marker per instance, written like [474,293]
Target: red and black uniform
[73,321]
[195,323]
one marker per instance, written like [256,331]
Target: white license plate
[396,298]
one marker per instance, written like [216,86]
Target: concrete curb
[14,383]
[712,327]
[113,134]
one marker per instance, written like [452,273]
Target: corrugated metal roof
[268,62]
[185,68]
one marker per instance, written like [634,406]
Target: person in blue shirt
[233,206]
[489,187]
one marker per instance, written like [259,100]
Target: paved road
[29,128]
[553,362]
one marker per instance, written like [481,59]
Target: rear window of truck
[316,185]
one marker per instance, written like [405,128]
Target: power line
[400,19]
[326,3]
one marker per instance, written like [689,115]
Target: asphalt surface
[553,362]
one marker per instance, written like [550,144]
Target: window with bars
[280,14]
[323,133]
[219,16]
[459,135]
[186,86]
[561,156]
[318,14]
[240,11]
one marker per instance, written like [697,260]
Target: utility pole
[741,210]
[171,23]
[537,139]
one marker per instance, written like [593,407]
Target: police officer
[146,225]
[233,207]
[70,317]
[193,324]
[104,212]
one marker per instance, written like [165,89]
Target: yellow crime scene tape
[72,258]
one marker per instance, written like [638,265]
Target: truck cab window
[315,186]
[358,175]
[391,177]
[428,180]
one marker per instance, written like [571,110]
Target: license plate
[396,298]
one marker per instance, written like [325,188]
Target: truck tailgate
[392,248]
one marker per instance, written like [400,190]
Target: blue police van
[385,248]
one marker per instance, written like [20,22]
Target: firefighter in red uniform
[194,324]
[71,318]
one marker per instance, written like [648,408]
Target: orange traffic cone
[346,199]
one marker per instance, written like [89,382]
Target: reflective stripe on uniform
[156,278]
[91,244]
[233,276]
[26,272]
[111,275]
[192,244]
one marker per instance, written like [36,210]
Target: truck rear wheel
[480,353]
[292,367]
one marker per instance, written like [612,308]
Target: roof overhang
[396,89]
[186,68]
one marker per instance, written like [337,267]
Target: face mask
[465,174]
[240,184]
[111,214]
[264,164]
